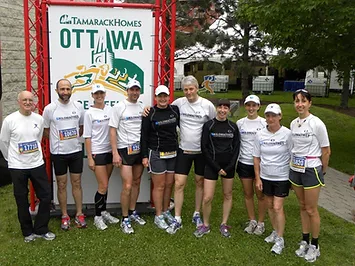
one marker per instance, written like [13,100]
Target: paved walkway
[337,196]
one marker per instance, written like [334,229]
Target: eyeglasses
[301,90]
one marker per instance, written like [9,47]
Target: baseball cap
[252,98]
[273,108]
[162,89]
[225,102]
[133,83]
[97,87]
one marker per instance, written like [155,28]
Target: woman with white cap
[272,153]
[159,145]
[248,127]
[99,153]
[310,157]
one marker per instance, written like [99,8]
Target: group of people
[267,156]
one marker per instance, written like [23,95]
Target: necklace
[300,122]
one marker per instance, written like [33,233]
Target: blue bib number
[298,164]
[27,147]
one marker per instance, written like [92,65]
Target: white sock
[178,219]
[196,213]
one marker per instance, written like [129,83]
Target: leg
[62,193]
[169,182]
[261,205]
[270,207]
[311,197]
[306,227]
[102,181]
[279,217]
[199,182]
[180,182]
[127,179]
[248,189]
[227,198]
[109,168]
[158,192]
[20,187]
[41,186]
[77,192]
[137,171]
[208,193]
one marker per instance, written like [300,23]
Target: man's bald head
[25,101]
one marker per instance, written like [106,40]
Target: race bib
[167,154]
[134,148]
[70,133]
[27,147]
[298,164]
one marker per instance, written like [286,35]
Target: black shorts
[276,188]
[131,159]
[102,158]
[184,162]
[159,165]
[312,178]
[211,174]
[61,162]
[245,170]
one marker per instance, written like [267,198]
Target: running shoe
[173,227]
[278,246]
[168,217]
[224,229]
[47,236]
[80,221]
[259,229]
[65,225]
[30,238]
[251,225]
[202,230]
[135,217]
[312,253]
[302,250]
[271,238]
[99,223]
[126,226]
[197,220]
[160,222]
[108,218]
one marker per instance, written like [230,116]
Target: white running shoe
[312,253]
[99,223]
[251,226]
[126,226]
[302,250]
[136,218]
[271,238]
[160,222]
[278,246]
[259,229]
[108,218]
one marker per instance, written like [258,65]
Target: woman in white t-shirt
[248,127]
[309,162]
[99,152]
[272,153]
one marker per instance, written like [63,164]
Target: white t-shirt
[64,120]
[126,117]
[21,137]
[274,151]
[96,127]
[248,129]
[309,135]
[192,118]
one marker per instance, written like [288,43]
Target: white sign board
[108,46]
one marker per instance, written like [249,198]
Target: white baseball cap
[252,98]
[162,89]
[97,87]
[273,108]
[133,83]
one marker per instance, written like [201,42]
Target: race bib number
[298,164]
[70,133]
[27,147]
[134,148]
[167,154]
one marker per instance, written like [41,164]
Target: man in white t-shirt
[194,112]
[63,124]
[125,133]
[20,139]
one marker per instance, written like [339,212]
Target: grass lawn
[151,246]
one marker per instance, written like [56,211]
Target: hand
[91,164]
[145,162]
[146,111]
[116,160]
[259,184]
[222,172]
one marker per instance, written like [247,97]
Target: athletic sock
[104,205]
[130,212]
[178,219]
[305,237]
[196,213]
[99,202]
[314,242]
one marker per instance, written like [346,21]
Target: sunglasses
[302,90]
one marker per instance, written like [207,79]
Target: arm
[81,129]
[5,139]
[236,148]
[46,133]
[91,162]
[146,111]
[205,140]
[325,158]
[258,183]
[87,135]
[145,129]
[116,158]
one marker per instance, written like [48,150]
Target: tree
[311,33]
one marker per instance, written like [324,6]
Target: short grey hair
[189,80]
